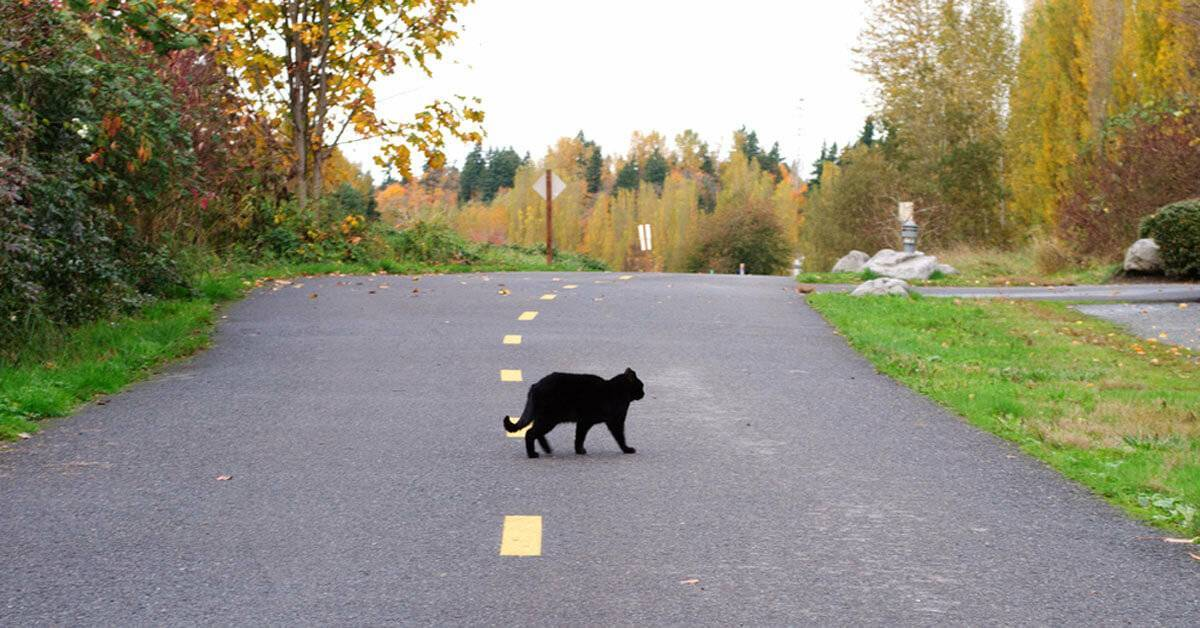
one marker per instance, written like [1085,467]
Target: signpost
[644,239]
[549,186]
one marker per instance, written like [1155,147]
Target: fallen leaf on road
[1193,555]
[312,296]
[224,478]
[804,289]
[690,581]
[370,292]
[384,286]
[1177,540]
[416,279]
[415,290]
[24,435]
[1183,306]
[504,291]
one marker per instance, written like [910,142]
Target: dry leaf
[24,435]
[384,286]
[370,292]
[1177,540]
[804,289]
[224,478]
[415,290]
[690,581]
[1194,555]
[312,296]
[504,291]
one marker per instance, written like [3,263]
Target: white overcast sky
[550,68]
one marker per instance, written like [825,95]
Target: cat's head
[636,389]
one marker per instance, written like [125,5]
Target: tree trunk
[319,151]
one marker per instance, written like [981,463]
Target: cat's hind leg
[530,438]
[545,443]
[581,430]
[618,431]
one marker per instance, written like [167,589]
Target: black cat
[584,400]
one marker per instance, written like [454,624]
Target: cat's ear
[630,374]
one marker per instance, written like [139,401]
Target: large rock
[853,262]
[1143,257]
[900,265]
[883,286]
[946,269]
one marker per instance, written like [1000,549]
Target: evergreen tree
[470,182]
[706,161]
[771,160]
[655,169]
[867,136]
[594,172]
[627,176]
[502,167]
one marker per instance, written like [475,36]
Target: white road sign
[905,212]
[556,186]
[644,238]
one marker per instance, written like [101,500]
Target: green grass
[1111,411]
[60,369]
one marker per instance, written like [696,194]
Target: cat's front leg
[618,431]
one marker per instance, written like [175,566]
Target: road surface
[778,479]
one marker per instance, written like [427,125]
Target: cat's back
[568,383]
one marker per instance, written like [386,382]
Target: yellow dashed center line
[570,286]
[548,297]
[521,536]
[512,339]
[510,375]
[519,433]
[626,277]
[527,316]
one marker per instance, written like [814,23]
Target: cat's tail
[526,416]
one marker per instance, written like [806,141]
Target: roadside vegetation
[1116,413]
[55,369]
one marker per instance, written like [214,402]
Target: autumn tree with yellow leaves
[314,63]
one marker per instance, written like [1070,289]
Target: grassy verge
[991,268]
[61,369]
[1116,413]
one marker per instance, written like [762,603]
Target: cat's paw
[580,451]
[629,450]
[534,455]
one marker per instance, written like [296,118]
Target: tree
[942,70]
[655,169]
[867,136]
[313,63]
[753,238]
[470,183]
[502,167]
[627,176]
[594,171]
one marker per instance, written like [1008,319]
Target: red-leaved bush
[1146,159]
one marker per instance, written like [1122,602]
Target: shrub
[434,243]
[1146,158]
[1176,230]
[732,237]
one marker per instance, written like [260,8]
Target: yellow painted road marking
[570,286]
[521,536]
[510,375]
[548,297]
[512,339]
[527,316]
[625,277]
[519,433]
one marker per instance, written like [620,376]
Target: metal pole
[549,218]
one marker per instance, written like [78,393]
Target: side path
[778,478]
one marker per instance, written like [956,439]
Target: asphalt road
[778,479]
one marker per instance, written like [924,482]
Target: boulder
[853,262]
[946,269]
[900,265]
[1142,257]
[882,287]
